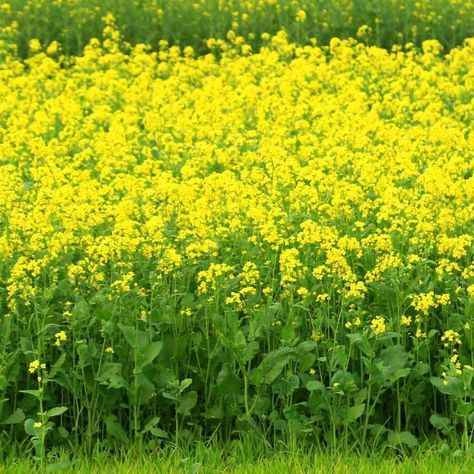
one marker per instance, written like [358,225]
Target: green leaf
[239,343]
[34,393]
[272,366]
[151,424]
[453,386]
[288,334]
[29,427]
[184,384]
[285,386]
[147,355]
[339,357]
[441,423]
[16,417]
[228,383]
[465,408]
[354,412]
[250,351]
[362,343]
[57,365]
[304,347]
[315,385]
[108,370]
[187,403]
[394,356]
[81,310]
[135,338]
[56,411]
[158,432]
[114,429]
[404,437]
[306,362]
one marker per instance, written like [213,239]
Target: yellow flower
[37,424]
[61,337]
[322,297]
[378,325]
[420,334]
[405,320]
[300,16]
[109,350]
[53,48]
[35,45]
[302,291]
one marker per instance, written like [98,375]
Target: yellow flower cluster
[378,325]
[35,366]
[61,337]
[423,302]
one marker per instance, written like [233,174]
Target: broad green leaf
[315,385]
[16,417]
[441,423]
[34,393]
[158,432]
[81,310]
[107,370]
[362,343]
[147,355]
[228,383]
[114,429]
[304,347]
[449,386]
[272,365]
[239,343]
[184,384]
[354,412]
[465,408]
[394,357]
[57,365]
[404,437]
[306,362]
[135,338]
[339,357]
[56,411]
[187,403]
[29,427]
[250,351]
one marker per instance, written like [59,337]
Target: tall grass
[243,457]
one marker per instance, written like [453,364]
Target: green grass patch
[241,457]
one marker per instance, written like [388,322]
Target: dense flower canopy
[325,192]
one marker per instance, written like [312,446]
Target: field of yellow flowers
[192,22]
[276,243]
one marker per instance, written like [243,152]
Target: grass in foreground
[243,458]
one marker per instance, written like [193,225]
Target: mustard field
[191,22]
[275,243]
